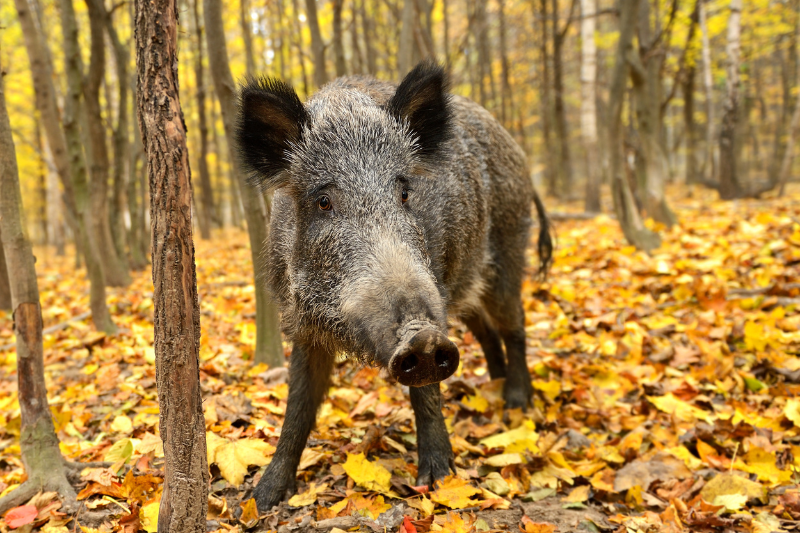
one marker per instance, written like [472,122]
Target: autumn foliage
[666,397]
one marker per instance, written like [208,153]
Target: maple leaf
[454,493]
[309,496]
[371,476]
[234,457]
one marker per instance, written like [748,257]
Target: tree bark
[563,157]
[645,70]
[546,100]
[624,204]
[589,105]
[709,164]
[99,228]
[369,41]
[176,321]
[405,50]
[690,135]
[298,43]
[317,46]
[247,34]
[269,348]
[44,465]
[207,211]
[788,154]
[121,140]
[5,288]
[729,179]
[506,100]
[338,38]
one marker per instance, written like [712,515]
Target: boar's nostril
[442,359]
[409,363]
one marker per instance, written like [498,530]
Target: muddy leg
[433,443]
[490,341]
[518,389]
[309,376]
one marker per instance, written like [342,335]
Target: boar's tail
[544,246]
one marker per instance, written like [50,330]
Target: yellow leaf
[249,511]
[731,502]
[727,483]
[502,440]
[120,451]
[792,411]
[476,403]
[577,495]
[148,517]
[371,476]
[309,496]
[422,504]
[122,424]
[213,441]
[234,457]
[550,389]
[455,524]
[454,493]
[683,411]
[762,463]
[680,452]
[504,459]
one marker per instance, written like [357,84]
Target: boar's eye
[404,195]
[324,203]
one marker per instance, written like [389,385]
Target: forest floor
[667,397]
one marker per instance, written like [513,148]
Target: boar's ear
[270,123]
[422,101]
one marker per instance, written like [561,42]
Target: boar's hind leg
[309,376]
[517,390]
[491,343]
[433,443]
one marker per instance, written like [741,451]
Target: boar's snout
[423,357]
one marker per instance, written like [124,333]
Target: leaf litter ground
[666,398]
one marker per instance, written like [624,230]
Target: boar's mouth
[423,356]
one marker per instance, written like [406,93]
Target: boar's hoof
[271,491]
[427,357]
[517,397]
[433,468]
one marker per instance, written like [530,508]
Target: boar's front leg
[433,443]
[309,376]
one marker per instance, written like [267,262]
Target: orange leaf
[19,516]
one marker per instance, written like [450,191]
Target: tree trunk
[269,348]
[99,229]
[624,204]
[338,38]
[589,105]
[729,179]
[44,465]
[247,34]
[445,33]
[690,135]
[788,154]
[298,43]
[206,192]
[563,157]
[121,146]
[355,43]
[645,69]
[5,288]
[507,104]
[366,22]
[405,51]
[709,164]
[317,46]
[176,321]
[546,100]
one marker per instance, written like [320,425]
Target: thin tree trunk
[99,229]
[690,135]
[317,46]
[589,105]
[355,44]
[405,51]
[247,33]
[279,15]
[268,347]
[563,156]
[121,145]
[338,38]
[55,211]
[369,41]
[507,104]
[624,204]
[546,100]
[206,192]
[298,42]
[729,179]
[176,322]
[45,467]
[5,288]
[709,166]
[788,154]
[445,33]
